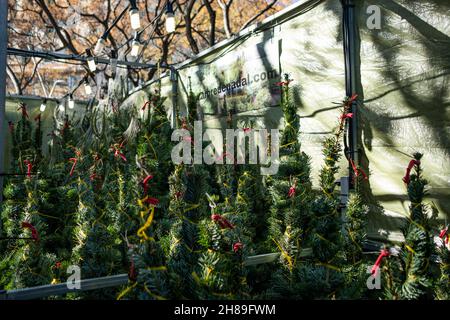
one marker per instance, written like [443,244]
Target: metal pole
[3,46]
[174,80]
[349,34]
[62,56]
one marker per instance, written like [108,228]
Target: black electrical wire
[246,36]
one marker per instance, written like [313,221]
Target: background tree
[408,275]
[71,26]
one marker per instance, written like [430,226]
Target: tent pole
[349,36]
[3,46]
[174,81]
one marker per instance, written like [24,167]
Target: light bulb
[135,20]
[91,64]
[87,88]
[43,106]
[170,22]
[99,46]
[61,107]
[135,48]
[71,103]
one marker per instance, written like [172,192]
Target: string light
[91,61]
[70,102]
[136,45]
[99,46]
[61,107]
[170,18]
[87,87]
[134,16]
[43,105]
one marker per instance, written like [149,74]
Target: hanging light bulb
[91,61]
[70,102]
[170,18]
[99,46]
[61,107]
[43,105]
[134,16]
[136,45]
[87,88]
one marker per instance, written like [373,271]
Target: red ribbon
[145,182]
[407,178]
[189,139]
[151,201]
[29,167]
[93,176]
[444,234]
[237,246]
[346,116]
[34,233]
[357,170]
[284,83]
[24,110]
[223,223]
[132,274]
[118,151]
[376,266]
[178,195]
[246,130]
[75,160]
[292,190]
[145,105]
[351,99]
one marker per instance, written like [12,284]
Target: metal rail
[62,288]
[109,281]
[372,247]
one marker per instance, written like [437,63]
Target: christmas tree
[442,285]
[291,194]
[188,206]
[408,275]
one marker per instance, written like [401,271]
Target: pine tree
[17,203]
[291,194]
[151,191]
[408,275]
[354,269]
[95,250]
[31,261]
[325,236]
[442,285]
[222,272]
[188,186]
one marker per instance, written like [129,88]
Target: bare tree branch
[188,21]
[259,14]
[212,22]
[59,31]
[14,80]
[225,6]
